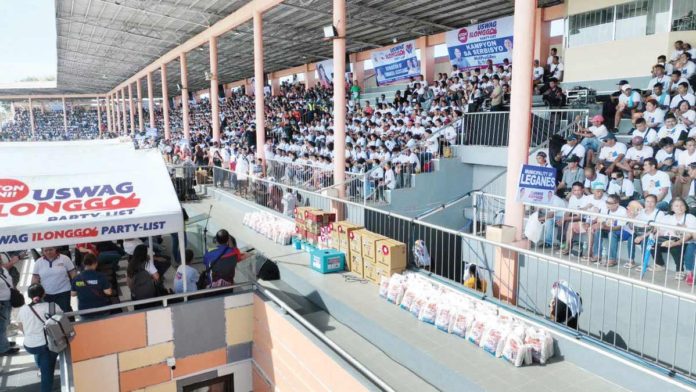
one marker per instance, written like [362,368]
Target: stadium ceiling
[101,43]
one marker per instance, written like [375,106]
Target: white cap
[625,87]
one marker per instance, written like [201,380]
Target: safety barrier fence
[645,320]
[189,179]
[493,128]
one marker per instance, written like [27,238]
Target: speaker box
[265,269]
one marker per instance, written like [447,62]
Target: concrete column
[214,101]
[165,103]
[248,87]
[310,80]
[99,122]
[131,108]
[150,100]
[505,284]
[542,32]
[339,59]
[258,86]
[114,110]
[184,96]
[124,115]
[139,88]
[65,117]
[275,86]
[427,54]
[359,72]
[31,118]
[107,104]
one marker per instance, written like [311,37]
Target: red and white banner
[59,193]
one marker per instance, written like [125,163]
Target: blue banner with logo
[472,46]
[396,63]
[537,184]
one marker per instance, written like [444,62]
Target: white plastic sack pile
[482,323]
[275,229]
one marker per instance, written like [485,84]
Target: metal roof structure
[102,43]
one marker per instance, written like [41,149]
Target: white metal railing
[633,310]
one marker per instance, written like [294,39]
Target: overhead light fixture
[394,40]
[473,21]
[330,32]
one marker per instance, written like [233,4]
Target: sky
[27,39]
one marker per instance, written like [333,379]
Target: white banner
[473,46]
[88,193]
[396,63]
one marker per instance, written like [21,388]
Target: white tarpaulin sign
[60,193]
[399,62]
[473,46]
[325,72]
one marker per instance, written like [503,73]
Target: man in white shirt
[593,203]
[55,271]
[542,159]
[556,69]
[593,176]
[653,115]
[629,102]
[538,73]
[573,147]
[621,187]
[635,156]
[592,136]
[660,77]
[655,182]
[611,153]
[603,228]
[683,94]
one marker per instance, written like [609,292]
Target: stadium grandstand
[348,195]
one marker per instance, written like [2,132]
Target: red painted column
[184,96]
[131,108]
[339,64]
[139,88]
[258,86]
[214,93]
[165,103]
[124,115]
[151,100]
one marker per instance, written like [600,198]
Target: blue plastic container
[327,260]
[297,243]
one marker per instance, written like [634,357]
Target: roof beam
[147,11]
[114,47]
[388,14]
[123,30]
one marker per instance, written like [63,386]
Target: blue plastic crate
[327,260]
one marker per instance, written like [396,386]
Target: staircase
[372,93]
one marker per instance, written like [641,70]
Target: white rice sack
[515,351]
[478,329]
[429,311]
[540,343]
[383,286]
[413,288]
[420,301]
[494,337]
[396,289]
[445,313]
[462,319]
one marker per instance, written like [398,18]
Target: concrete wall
[287,359]
[580,6]
[208,338]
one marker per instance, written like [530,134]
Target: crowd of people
[651,178]
[49,125]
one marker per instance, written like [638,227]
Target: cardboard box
[313,239]
[369,244]
[381,270]
[300,232]
[356,264]
[342,230]
[322,218]
[355,240]
[391,254]
[300,213]
[369,271]
[500,233]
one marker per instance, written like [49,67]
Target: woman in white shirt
[32,317]
[648,214]
[674,241]
[686,115]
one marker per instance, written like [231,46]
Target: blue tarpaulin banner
[396,63]
[472,46]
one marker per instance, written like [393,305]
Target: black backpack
[143,286]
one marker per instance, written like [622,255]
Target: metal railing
[189,179]
[649,323]
[493,128]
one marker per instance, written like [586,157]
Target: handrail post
[474,204]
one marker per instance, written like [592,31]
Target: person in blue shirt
[91,288]
[224,257]
[192,275]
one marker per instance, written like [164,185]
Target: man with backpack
[221,262]
[91,288]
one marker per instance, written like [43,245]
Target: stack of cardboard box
[372,255]
[312,225]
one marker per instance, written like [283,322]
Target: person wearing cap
[656,182]
[572,147]
[647,134]
[572,173]
[635,156]
[542,159]
[611,153]
[629,103]
[592,137]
